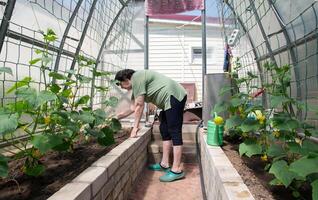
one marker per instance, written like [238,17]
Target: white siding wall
[170,52]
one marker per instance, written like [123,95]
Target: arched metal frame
[124,4]
[290,49]
[5,22]
[80,43]
[253,48]
[67,29]
[258,20]
[293,42]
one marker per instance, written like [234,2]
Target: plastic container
[215,134]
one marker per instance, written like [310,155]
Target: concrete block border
[221,180]
[112,176]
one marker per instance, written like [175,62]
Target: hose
[199,160]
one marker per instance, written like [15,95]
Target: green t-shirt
[156,87]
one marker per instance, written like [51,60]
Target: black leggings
[171,121]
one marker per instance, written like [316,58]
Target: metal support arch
[291,51]
[67,29]
[103,44]
[5,21]
[79,46]
[253,49]
[258,20]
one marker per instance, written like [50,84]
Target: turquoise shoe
[158,167]
[171,176]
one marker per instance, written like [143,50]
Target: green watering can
[215,134]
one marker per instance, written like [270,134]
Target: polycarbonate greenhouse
[249,68]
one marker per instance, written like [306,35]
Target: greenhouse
[159,99]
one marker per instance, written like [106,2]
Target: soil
[256,178]
[61,168]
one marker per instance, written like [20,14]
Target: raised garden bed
[62,168]
[255,177]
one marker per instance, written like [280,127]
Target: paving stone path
[148,186]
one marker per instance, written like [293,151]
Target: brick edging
[111,177]
[221,179]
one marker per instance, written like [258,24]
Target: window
[196,54]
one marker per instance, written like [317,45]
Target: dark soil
[256,178]
[61,168]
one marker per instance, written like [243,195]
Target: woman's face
[126,84]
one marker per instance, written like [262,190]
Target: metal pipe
[102,47]
[67,29]
[38,43]
[5,21]
[146,43]
[80,43]
[203,27]
[146,57]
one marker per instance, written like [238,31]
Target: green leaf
[38,51]
[82,100]
[57,76]
[6,70]
[44,97]
[250,148]
[102,89]
[314,186]
[253,108]
[115,125]
[69,82]
[309,146]
[8,123]
[66,145]
[250,125]
[112,102]
[83,79]
[285,123]
[18,107]
[305,166]
[275,181]
[278,100]
[251,75]
[237,102]
[35,99]
[4,168]
[95,133]
[66,93]
[100,113]
[34,61]
[46,142]
[281,171]
[220,107]
[233,122]
[27,94]
[46,60]
[294,147]
[19,84]
[55,88]
[107,138]
[85,117]
[34,170]
[101,73]
[275,150]
[50,37]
